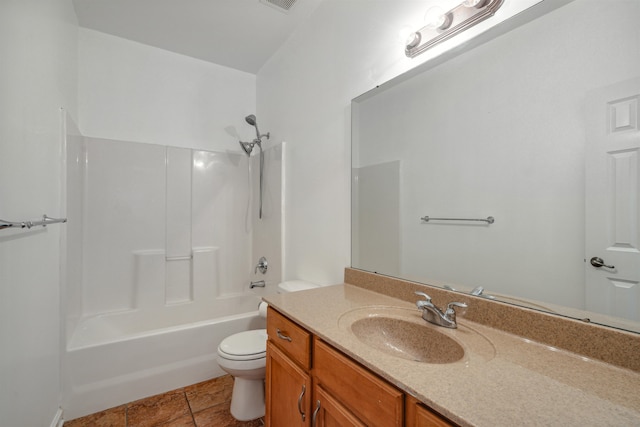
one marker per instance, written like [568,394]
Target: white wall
[304,93]
[128,91]
[38,45]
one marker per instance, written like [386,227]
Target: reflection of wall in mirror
[499,131]
[376,199]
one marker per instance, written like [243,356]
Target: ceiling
[241,34]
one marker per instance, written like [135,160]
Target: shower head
[247,147]
[251,119]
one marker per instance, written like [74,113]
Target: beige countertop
[503,379]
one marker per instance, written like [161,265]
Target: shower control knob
[262,266]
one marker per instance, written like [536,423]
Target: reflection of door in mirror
[613,200]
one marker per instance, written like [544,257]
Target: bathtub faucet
[258,284]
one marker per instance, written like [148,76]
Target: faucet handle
[451,312]
[478,290]
[422,294]
[423,303]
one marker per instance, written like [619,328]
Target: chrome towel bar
[488,220]
[28,224]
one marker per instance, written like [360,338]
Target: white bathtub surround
[192,282]
[155,214]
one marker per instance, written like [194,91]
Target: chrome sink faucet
[433,314]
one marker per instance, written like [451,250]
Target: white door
[613,200]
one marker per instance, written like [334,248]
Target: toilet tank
[295,286]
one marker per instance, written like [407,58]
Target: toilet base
[247,400]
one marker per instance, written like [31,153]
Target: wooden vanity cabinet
[334,390]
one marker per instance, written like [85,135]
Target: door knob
[598,262]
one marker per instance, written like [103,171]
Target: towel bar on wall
[488,220]
[28,224]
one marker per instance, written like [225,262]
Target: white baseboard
[57,419]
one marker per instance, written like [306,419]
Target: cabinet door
[374,401]
[288,391]
[418,415]
[328,412]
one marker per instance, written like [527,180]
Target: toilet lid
[244,345]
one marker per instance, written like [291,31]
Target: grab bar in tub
[28,224]
[488,220]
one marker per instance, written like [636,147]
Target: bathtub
[115,358]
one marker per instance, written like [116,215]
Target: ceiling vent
[281,5]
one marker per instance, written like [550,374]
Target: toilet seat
[247,345]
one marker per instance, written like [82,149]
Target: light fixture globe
[474,3]
[413,40]
[437,19]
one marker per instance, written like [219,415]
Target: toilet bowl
[244,357]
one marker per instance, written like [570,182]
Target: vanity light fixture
[441,25]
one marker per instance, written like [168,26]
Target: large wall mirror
[537,128]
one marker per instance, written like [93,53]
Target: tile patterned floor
[204,404]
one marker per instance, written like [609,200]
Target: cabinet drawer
[370,398]
[294,341]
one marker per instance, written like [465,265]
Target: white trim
[57,421]
[283,210]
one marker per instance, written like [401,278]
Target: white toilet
[244,357]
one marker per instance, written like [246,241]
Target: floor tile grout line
[193,418]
